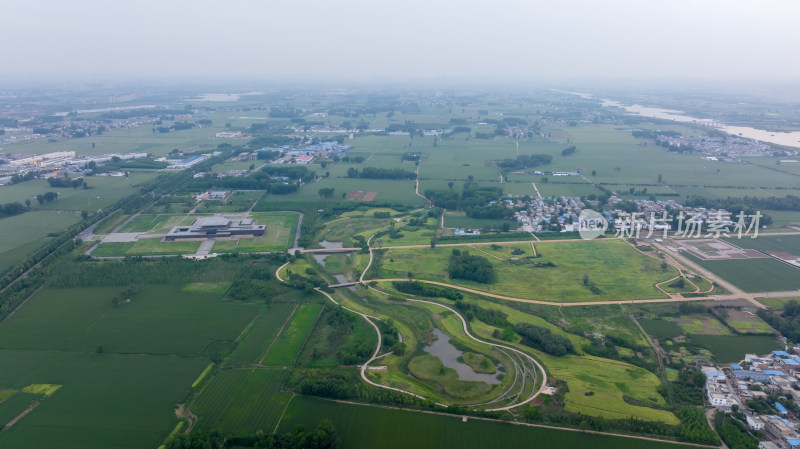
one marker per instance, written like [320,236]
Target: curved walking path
[374,354]
[497,345]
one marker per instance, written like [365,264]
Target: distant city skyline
[731,41]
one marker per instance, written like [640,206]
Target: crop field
[662,329]
[157,320]
[102,192]
[263,331]
[728,349]
[290,341]
[766,243]
[77,415]
[776,303]
[755,275]
[700,325]
[13,405]
[363,426]
[746,322]
[460,220]
[618,271]
[22,234]
[240,402]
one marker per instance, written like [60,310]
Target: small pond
[449,355]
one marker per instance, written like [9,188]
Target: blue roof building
[735,366]
[781,408]
[781,353]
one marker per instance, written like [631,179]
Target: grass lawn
[618,270]
[363,426]
[145,247]
[279,235]
[160,223]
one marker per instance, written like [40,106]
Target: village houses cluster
[760,380]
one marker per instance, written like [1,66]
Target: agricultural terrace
[560,271]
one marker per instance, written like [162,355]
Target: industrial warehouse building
[216,227]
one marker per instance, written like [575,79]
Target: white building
[755,422]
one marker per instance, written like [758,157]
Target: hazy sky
[410,39]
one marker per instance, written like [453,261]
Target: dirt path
[375,354]
[543,382]
[416,188]
[21,415]
[537,191]
[183,412]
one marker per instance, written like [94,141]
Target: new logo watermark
[591,224]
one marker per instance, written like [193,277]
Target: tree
[594,172]
[450,184]
[659,178]
[28,202]
[433,243]
[84,214]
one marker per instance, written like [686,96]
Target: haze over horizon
[358,40]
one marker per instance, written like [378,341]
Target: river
[789,139]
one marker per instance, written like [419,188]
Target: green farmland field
[79,413]
[103,191]
[240,402]
[289,342]
[362,427]
[158,320]
[732,349]
[23,234]
[618,270]
[755,275]
[765,242]
[262,333]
